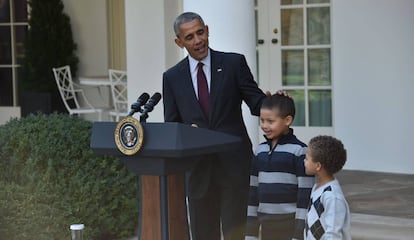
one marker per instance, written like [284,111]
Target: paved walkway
[383,194]
[382,204]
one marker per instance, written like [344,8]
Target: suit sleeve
[171,113]
[250,92]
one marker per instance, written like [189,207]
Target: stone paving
[383,194]
[381,204]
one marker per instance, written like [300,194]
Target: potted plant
[49,43]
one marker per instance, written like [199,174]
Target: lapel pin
[219,69]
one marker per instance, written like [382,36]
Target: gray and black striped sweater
[279,186]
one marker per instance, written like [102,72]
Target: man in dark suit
[218,184]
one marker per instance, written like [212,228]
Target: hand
[283,93]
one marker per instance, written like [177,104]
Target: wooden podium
[168,151]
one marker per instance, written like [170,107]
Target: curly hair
[328,151]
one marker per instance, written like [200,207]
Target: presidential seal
[129,135]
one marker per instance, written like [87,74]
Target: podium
[168,151]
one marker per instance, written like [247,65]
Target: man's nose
[197,39]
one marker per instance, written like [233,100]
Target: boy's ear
[288,120]
[318,166]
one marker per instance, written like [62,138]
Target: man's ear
[178,42]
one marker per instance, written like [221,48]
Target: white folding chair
[118,81]
[72,96]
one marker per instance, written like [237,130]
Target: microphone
[136,106]
[149,106]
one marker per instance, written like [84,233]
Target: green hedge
[50,178]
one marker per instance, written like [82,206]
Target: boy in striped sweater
[279,187]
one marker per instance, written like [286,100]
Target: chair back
[70,94]
[64,82]
[118,81]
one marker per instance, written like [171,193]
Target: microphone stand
[143,117]
[163,191]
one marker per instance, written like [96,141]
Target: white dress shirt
[206,68]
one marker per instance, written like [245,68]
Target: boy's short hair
[284,104]
[329,152]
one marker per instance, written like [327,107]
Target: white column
[232,29]
[150,47]
[145,42]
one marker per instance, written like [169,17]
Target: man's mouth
[200,49]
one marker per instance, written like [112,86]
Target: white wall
[89,28]
[231,29]
[145,43]
[90,32]
[373,63]
[172,8]
[7,113]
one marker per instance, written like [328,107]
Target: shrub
[49,43]
[50,178]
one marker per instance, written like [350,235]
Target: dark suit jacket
[231,83]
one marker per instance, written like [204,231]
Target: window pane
[5,45]
[299,98]
[20,10]
[320,108]
[292,27]
[290,2]
[6,87]
[319,27]
[319,71]
[318,1]
[20,32]
[4,11]
[293,68]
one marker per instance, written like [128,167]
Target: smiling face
[274,125]
[193,36]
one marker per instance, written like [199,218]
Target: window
[13,28]
[306,60]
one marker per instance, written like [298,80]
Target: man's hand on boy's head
[283,93]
